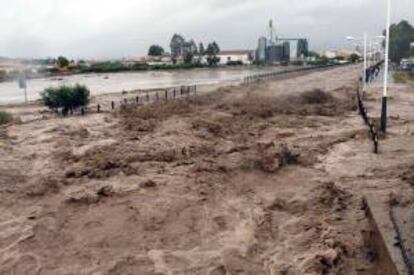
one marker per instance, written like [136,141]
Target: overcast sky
[126,28]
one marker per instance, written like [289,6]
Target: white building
[244,57]
[338,53]
[328,54]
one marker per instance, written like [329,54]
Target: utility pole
[387,53]
[365,63]
[23,85]
[364,72]
[370,54]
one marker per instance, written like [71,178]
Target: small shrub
[68,98]
[5,118]
[403,77]
[316,97]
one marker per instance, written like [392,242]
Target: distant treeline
[115,66]
[401,39]
[102,67]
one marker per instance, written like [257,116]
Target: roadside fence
[371,73]
[373,132]
[401,241]
[148,97]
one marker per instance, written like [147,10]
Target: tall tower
[271,31]
[262,49]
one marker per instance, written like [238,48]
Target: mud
[243,180]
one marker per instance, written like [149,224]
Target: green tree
[5,117]
[108,66]
[401,36]
[156,50]
[314,54]
[353,58]
[188,58]
[201,49]
[3,75]
[212,51]
[324,60]
[67,98]
[62,61]
[48,61]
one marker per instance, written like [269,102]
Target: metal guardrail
[372,73]
[257,77]
[401,242]
[364,114]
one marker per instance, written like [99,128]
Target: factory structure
[278,50]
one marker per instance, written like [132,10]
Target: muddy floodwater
[256,179]
[117,82]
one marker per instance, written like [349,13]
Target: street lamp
[387,53]
[377,51]
[364,74]
[365,41]
[374,51]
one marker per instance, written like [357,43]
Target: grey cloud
[109,28]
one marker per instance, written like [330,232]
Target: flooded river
[117,82]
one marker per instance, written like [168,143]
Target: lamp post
[365,39]
[370,54]
[365,63]
[376,51]
[23,85]
[387,53]
[364,73]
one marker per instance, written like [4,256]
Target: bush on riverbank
[5,117]
[403,77]
[67,98]
[107,67]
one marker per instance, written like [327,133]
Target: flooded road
[117,82]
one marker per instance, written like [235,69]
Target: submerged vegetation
[5,117]
[403,77]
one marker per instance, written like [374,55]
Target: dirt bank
[244,180]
